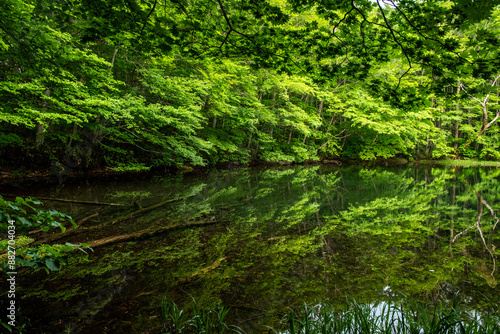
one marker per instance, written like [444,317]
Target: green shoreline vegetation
[405,316]
[461,163]
[141,85]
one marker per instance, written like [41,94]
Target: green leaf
[51,264]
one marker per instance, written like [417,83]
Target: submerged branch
[149,232]
[78,223]
[69,200]
[481,201]
[141,210]
[111,222]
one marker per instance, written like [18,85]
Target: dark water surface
[263,240]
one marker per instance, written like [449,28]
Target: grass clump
[176,320]
[405,317]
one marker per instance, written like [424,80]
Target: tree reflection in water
[276,238]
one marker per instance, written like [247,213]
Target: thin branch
[147,18]
[492,213]
[397,42]
[231,29]
[480,201]
[464,231]
[338,24]
[70,200]
[484,241]
[485,124]
[420,33]
[228,23]
[462,87]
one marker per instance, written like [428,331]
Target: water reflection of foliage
[301,233]
[288,236]
[399,238]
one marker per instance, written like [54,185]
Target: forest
[324,120]
[141,84]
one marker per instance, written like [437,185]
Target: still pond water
[264,240]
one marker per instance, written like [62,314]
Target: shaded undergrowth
[406,316]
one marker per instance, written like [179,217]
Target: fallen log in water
[113,221]
[149,232]
[120,238]
[68,200]
[141,210]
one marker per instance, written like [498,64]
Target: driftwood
[149,232]
[146,233]
[126,237]
[142,210]
[71,232]
[69,200]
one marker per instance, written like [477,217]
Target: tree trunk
[114,57]
[485,125]
[457,108]
[42,126]
[455,143]
[320,108]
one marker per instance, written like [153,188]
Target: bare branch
[397,42]
[228,23]
[480,201]
[147,17]
[462,87]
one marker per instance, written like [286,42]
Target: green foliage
[10,139]
[325,231]
[406,316]
[176,320]
[20,217]
[26,217]
[171,84]
[128,168]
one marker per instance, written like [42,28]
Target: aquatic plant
[406,316]
[176,320]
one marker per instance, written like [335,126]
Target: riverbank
[17,177]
